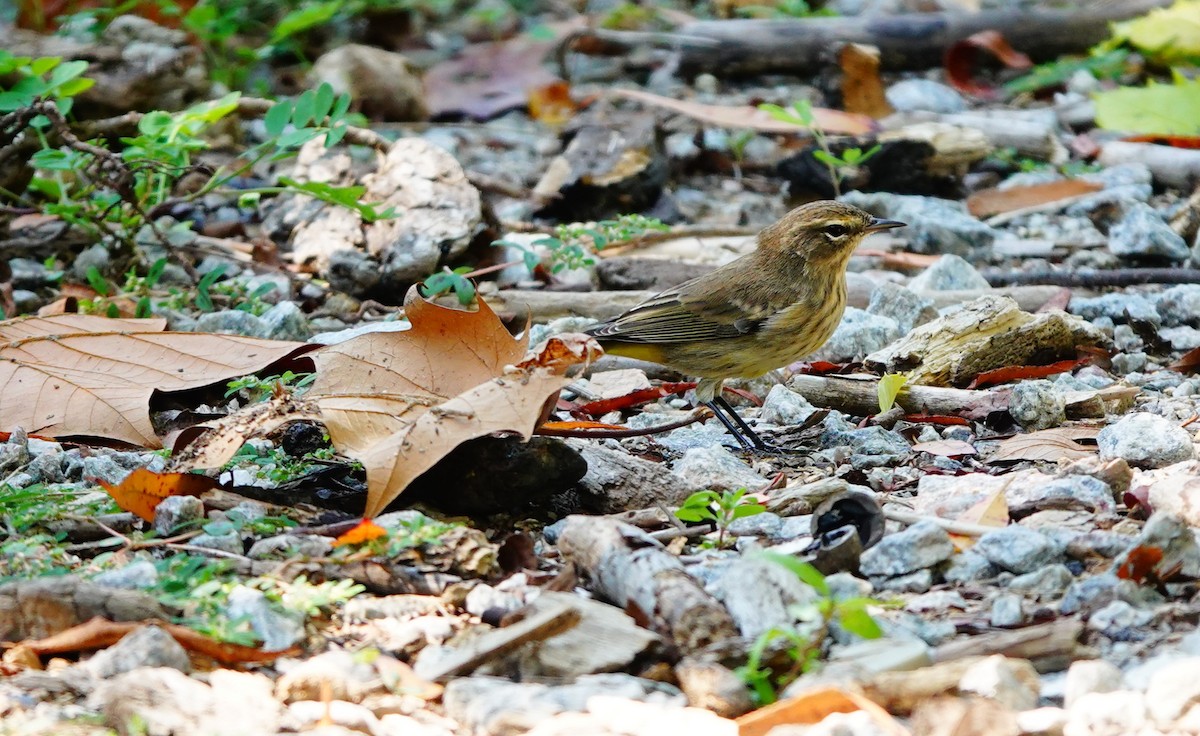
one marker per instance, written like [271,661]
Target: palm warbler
[764,310]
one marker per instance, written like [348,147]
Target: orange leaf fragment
[1020,372]
[1140,563]
[571,426]
[143,489]
[862,89]
[552,103]
[812,707]
[366,531]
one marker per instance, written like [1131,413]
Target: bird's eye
[836,231]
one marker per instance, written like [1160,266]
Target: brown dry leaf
[399,401]
[945,448]
[989,202]
[552,103]
[862,89]
[960,61]
[811,708]
[486,79]
[991,511]
[143,489]
[100,632]
[1047,444]
[76,374]
[739,117]
[212,444]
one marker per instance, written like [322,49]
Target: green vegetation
[801,113]
[721,509]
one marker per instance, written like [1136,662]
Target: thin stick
[965,528]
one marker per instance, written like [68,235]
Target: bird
[764,310]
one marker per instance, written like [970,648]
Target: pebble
[134,576]
[902,304]
[174,512]
[1089,676]
[1118,307]
[920,546]
[1006,611]
[148,646]
[949,273]
[1142,233]
[785,407]
[1048,583]
[1174,691]
[858,334]
[1146,441]
[1120,621]
[716,468]
[276,629]
[1179,305]
[1011,682]
[1037,405]
[1017,549]
[923,94]
[231,322]
[969,567]
[933,225]
[285,321]
[1116,713]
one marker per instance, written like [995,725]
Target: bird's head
[821,231]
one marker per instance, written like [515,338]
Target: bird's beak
[876,224]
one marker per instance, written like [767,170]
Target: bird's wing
[676,316]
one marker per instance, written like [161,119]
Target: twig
[599,434]
[1095,279]
[965,528]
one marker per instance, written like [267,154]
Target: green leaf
[155,272]
[1157,109]
[143,310]
[65,72]
[748,509]
[857,621]
[803,570]
[96,280]
[828,159]
[53,159]
[1168,35]
[322,102]
[340,106]
[303,18]
[889,388]
[278,117]
[335,135]
[154,123]
[74,87]
[38,67]
[306,104]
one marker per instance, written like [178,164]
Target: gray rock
[858,334]
[685,438]
[1179,305]
[1006,611]
[230,542]
[761,595]
[96,257]
[134,576]
[1011,682]
[1118,307]
[922,94]
[1017,549]
[969,567]
[617,481]
[1048,583]
[1145,440]
[26,301]
[29,274]
[1090,676]
[869,446]
[1112,714]
[166,701]
[1126,363]
[785,407]
[1036,405]
[918,547]
[1174,691]
[494,705]
[948,273]
[1121,175]
[174,512]
[1142,233]
[1118,197]
[340,336]
[1183,337]
[231,322]
[148,646]
[716,468]
[285,321]
[1092,593]
[290,545]
[276,629]
[1120,621]
[908,308]
[934,225]
[914,582]
[1068,492]
[1171,534]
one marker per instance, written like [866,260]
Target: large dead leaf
[77,374]
[143,490]
[1047,444]
[399,401]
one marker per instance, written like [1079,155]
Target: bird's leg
[746,437]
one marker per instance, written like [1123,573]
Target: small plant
[719,508]
[801,113]
[574,245]
[447,281]
[260,389]
[804,647]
